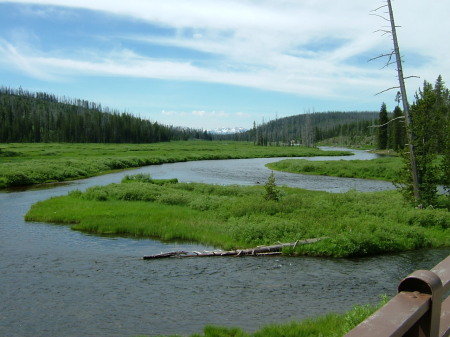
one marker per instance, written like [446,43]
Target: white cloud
[169,113]
[306,47]
[210,114]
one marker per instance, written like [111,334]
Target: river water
[58,282]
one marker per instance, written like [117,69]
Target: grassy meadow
[36,163]
[386,168]
[228,217]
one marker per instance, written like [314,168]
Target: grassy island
[354,223]
[385,168]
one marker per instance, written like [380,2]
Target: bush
[18,179]
[430,218]
[272,192]
[141,177]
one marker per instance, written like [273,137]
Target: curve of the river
[57,282]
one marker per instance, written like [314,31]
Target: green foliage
[431,121]
[42,117]
[9,153]
[146,178]
[386,168]
[353,223]
[272,191]
[141,177]
[343,128]
[331,325]
[369,241]
[383,128]
[397,131]
[41,163]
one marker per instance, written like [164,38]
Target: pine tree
[397,136]
[383,128]
[272,192]
[431,128]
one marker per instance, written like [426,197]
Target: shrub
[18,179]
[272,192]
[430,218]
[141,177]
[96,193]
[173,199]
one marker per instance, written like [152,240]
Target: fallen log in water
[258,251]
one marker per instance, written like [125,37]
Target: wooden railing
[420,309]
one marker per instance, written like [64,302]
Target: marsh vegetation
[27,163]
[385,168]
[355,224]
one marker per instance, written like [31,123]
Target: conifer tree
[430,126]
[272,191]
[397,134]
[383,129]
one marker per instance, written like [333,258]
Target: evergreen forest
[343,128]
[27,117]
[36,117]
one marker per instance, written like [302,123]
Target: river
[58,282]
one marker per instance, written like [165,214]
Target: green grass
[331,325]
[387,168]
[355,224]
[26,164]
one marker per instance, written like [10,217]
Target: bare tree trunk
[307,131]
[409,122]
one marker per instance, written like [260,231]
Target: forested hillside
[308,129]
[42,117]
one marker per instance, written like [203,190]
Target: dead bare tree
[401,79]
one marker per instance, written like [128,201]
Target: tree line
[307,129]
[41,117]
[391,131]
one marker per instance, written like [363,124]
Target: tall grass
[387,168]
[353,223]
[26,164]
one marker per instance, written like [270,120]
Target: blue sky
[222,63]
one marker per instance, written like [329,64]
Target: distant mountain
[227,131]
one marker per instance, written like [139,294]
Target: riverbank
[26,164]
[229,217]
[387,168]
[331,325]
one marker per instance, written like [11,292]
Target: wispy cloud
[310,48]
[251,42]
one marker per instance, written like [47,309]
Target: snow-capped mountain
[227,131]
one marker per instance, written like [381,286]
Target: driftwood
[258,251]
